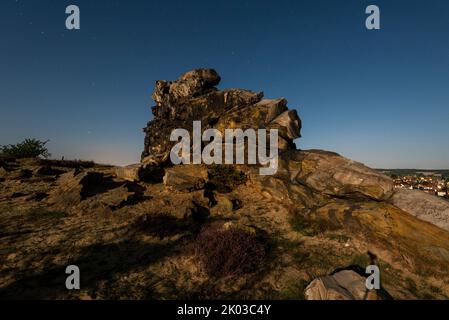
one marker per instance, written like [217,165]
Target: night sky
[379,97]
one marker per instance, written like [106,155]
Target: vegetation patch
[29,148]
[361,260]
[224,178]
[293,292]
[310,227]
[228,252]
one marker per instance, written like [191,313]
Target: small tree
[29,148]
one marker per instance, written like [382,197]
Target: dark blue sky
[379,97]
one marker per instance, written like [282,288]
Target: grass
[29,221]
[361,260]
[68,163]
[293,292]
[338,237]
[310,227]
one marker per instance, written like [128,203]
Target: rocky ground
[156,231]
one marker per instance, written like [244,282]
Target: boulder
[190,84]
[343,285]
[333,175]
[185,178]
[424,206]
[75,186]
[288,124]
[274,108]
[131,173]
[193,97]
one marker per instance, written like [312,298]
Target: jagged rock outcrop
[194,97]
[186,178]
[333,175]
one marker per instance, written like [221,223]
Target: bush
[224,178]
[231,251]
[29,148]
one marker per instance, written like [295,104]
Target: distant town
[434,182]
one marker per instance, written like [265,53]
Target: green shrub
[224,178]
[29,148]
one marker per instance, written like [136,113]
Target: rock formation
[343,285]
[194,97]
[423,205]
[139,232]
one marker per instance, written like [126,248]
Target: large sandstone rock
[90,191]
[132,172]
[288,124]
[423,206]
[334,175]
[74,187]
[186,178]
[343,285]
[193,97]
[139,172]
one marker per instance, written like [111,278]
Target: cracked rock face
[194,97]
[333,175]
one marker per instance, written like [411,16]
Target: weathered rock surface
[132,172]
[186,178]
[139,172]
[343,285]
[346,285]
[423,206]
[193,97]
[334,175]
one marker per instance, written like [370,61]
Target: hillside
[155,230]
